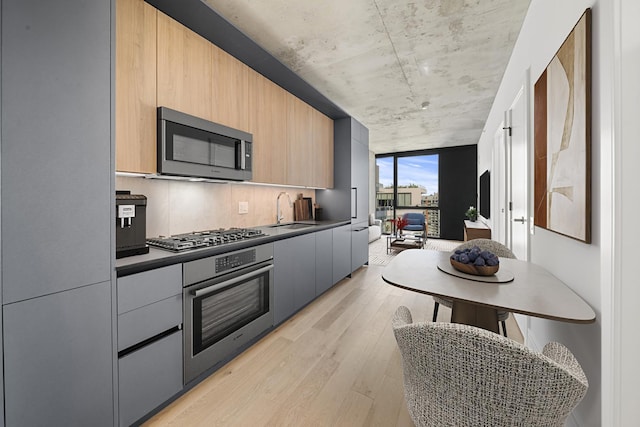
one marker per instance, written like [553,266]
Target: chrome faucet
[279,215]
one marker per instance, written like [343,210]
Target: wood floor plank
[354,410]
[224,390]
[312,313]
[370,378]
[294,412]
[326,406]
[345,308]
[387,404]
[334,363]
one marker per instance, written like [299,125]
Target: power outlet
[243,208]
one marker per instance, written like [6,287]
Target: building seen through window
[408,184]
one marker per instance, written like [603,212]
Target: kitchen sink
[292,225]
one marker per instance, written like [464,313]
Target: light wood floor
[335,363]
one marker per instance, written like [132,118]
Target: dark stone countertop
[157,258]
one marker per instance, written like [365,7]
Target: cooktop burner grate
[201,239]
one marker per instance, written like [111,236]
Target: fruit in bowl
[475,261]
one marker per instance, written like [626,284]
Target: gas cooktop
[202,239]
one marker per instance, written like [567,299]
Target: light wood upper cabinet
[309,145]
[299,142]
[293,143]
[230,90]
[267,123]
[322,150]
[184,69]
[135,86]
[160,62]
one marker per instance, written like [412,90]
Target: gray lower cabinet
[58,359]
[350,196]
[149,376]
[324,261]
[139,290]
[150,363]
[359,245]
[341,252]
[1,371]
[294,275]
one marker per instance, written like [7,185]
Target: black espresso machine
[131,227]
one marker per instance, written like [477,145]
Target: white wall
[621,289]
[579,265]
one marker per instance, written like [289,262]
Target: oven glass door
[221,312]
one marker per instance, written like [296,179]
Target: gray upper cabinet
[349,198]
[360,180]
[56,146]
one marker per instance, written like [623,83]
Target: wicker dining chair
[486,245]
[460,375]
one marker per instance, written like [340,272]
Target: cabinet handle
[519,220]
[148,341]
[354,202]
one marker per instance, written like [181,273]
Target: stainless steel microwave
[193,147]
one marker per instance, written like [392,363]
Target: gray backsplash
[175,207]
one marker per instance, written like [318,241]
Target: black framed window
[439,183]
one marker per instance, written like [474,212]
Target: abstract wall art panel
[562,138]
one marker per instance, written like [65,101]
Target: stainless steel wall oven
[228,302]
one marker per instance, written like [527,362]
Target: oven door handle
[213,288]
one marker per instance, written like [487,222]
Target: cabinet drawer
[141,289]
[149,376]
[138,325]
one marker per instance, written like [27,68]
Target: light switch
[243,207]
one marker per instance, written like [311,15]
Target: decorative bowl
[473,269]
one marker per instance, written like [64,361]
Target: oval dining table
[519,287]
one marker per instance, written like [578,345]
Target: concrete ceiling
[418,74]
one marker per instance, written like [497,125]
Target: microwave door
[223,155]
[192,150]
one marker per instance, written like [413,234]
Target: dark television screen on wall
[485,194]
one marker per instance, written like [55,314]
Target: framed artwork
[562,138]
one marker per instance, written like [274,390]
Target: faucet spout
[279,215]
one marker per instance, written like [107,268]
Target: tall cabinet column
[349,199]
[57,181]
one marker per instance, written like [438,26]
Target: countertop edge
[158,258]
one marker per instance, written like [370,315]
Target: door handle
[519,220]
[212,288]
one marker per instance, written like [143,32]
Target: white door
[499,187]
[518,218]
